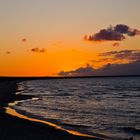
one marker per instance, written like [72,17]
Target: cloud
[123,56]
[101,60]
[105,35]
[116,44]
[132,68]
[130,55]
[82,71]
[8,52]
[37,50]
[116,33]
[107,70]
[24,40]
[124,29]
[130,65]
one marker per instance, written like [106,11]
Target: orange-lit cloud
[116,33]
[117,57]
[129,55]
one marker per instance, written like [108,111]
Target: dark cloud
[107,70]
[120,69]
[106,35]
[124,29]
[116,33]
[130,55]
[82,71]
[120,28]
[37,50]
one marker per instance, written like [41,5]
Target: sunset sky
[69,37]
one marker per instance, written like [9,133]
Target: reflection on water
[96,105]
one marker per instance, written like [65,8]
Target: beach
[15,128]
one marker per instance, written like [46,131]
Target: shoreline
[15,127]
[16,113]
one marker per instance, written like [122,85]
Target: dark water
[109,106]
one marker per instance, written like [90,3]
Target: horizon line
[60,77]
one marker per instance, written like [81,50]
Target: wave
[13,112]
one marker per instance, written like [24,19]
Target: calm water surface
[109,106]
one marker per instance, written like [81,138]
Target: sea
[107,106]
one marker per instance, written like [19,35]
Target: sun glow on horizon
[43,38]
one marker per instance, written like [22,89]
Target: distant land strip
[51,77]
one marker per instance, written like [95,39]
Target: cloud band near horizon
[130,68]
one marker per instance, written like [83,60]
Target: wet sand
[14,128]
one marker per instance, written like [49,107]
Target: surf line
[13,112]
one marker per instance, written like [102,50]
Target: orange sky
[57,29]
